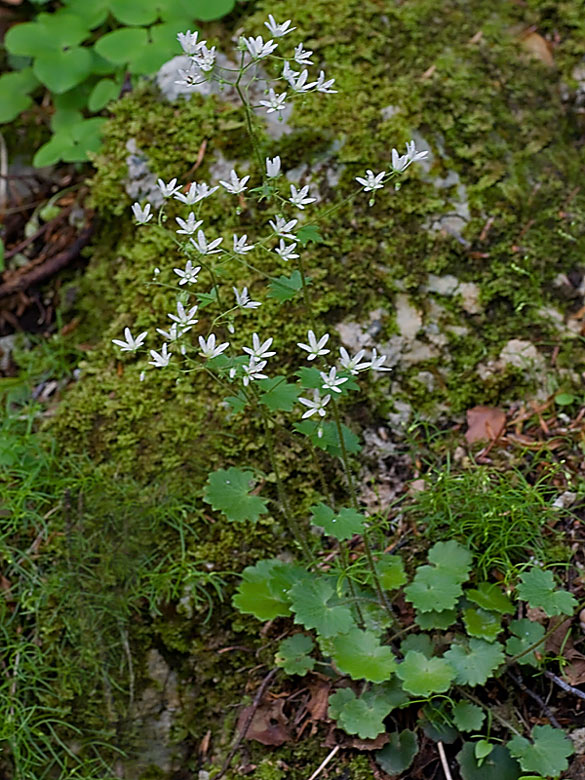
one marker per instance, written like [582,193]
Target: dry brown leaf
[536,45]
[319,701]
[269,724]
[484,423]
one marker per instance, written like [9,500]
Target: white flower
[371,181]
[243,299]
[190,197]
[278,30]
[325,86]
[131,344]
[331,381]
[190,225]
[299,197]
[315,348]
[299,84]
[275,102]
[413,155]
[172,334]
[208,347]
[167,190]
[189,275]
[160,359]
[204,190]
[259,351]
[141,215]
[185,319]
[203,247]
[288,73]
[189,43]
[253,371]
[240,246]
[352,364]
[399,163]
[272,167]
[282,228]
[188,78]
[302,55]
[318,404]
[235,185]
[286,252]
[204,58]
[377,360]
[258,49]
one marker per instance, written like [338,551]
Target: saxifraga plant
[348,619]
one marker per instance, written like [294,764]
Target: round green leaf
[228,490]
[538,588]
[546,754]
[64,28]
[62,70]
[27,39]
[121,46]
[474,662]
[208,10]
[360,654]
[489,596]
[365,716]
[91,13]
[498,765]
[526,634]
[433,589]
[482,624]
[342,525]
[423,676]
[453,558]
[132,12]
[310,602]
[64,119]
[468,716]
[399,753]
[293,654]
[52,151]
[263,591]
[104,91]
[390,569]
[432,619]
[13,93]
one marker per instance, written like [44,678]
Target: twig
[542,704]
[255,704]
[49,267]
[38,233]
[3,172]
[565,686]
[324,763]
[444,763]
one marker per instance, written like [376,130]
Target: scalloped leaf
[453,558]
[433,589]
[499,765]
[277,394]
[526,634]
[310,603]
[293,654]
[481,623]
[423,676]
[399,753]
[546,755]
[364,716]
[228,491]
[390,569]
[343,525]
[468,716]
[433,619]
[360,654]
[489,596]
[474,662]
[538,588]
[263,591]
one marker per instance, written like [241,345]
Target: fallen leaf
[369,744]
[536,45]
[484,422]
[269,723]
[319,701]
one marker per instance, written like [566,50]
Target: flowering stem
[306,295]
[367,549]
[249,125]
[291,521]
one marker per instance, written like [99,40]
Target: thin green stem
[367,548]
[306,295]
[293,526]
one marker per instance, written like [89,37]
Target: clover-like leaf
[468,716]
[433,589]
[546,755]
[488,595]
[498,765]
[277,394]
[264,589]
[481,623]
[343,525]
[474,662]
[453,558]
[228,490]
[293,654]
[432,619]
[364,716]
[310,603]
[62,70]
[398,754]
[538,588]
[423,676]
[14,89]
[390,569]
[526,634]
[122,45]
[360,654]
